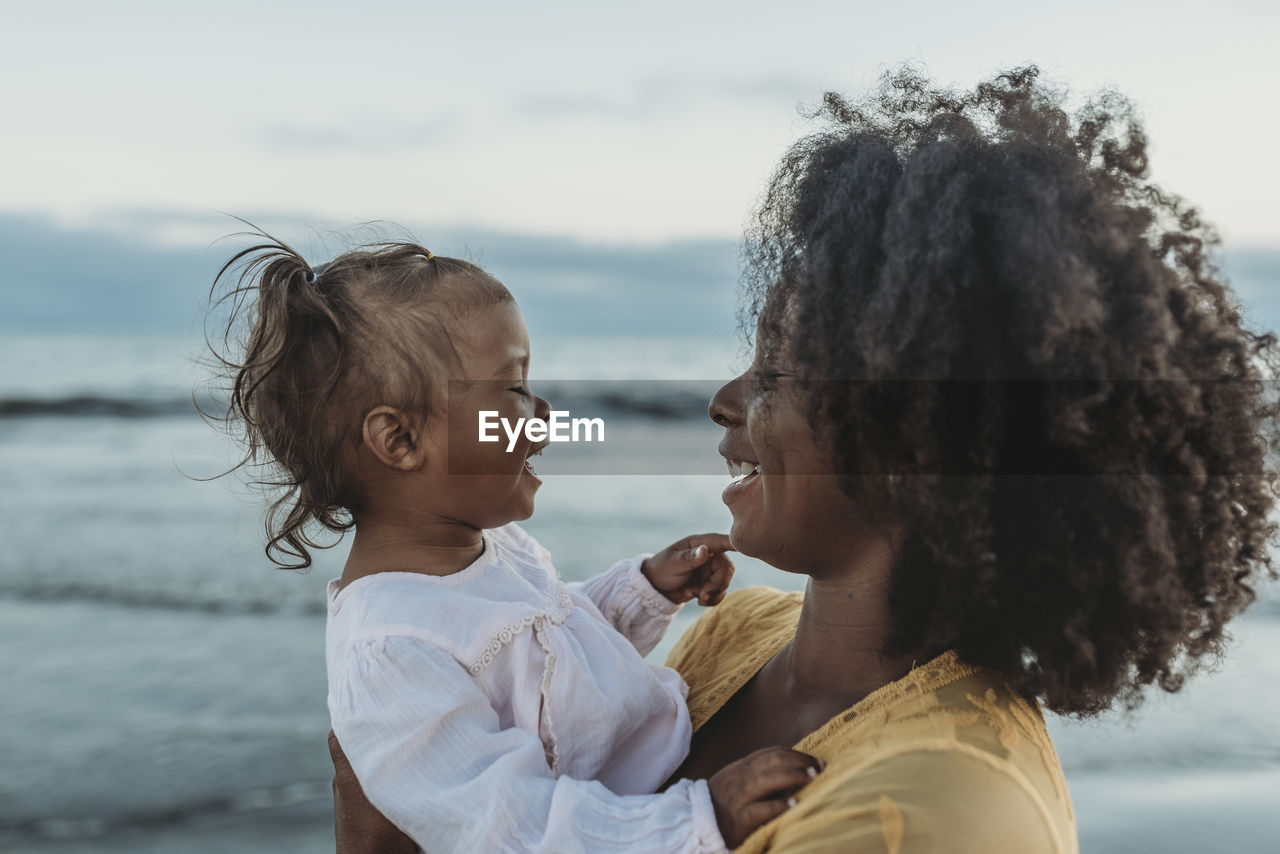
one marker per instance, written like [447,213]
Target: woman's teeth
[740,471]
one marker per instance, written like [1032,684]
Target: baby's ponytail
[292,341]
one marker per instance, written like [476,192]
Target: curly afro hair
[1082,475]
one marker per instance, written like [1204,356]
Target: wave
[657,400]
[93,405]
[62,829]
[185,600]
[306,603]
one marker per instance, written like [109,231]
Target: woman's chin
[774,554]
[742,541]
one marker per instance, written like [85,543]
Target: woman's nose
[541,409]
[726,404]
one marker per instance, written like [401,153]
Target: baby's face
[488,484]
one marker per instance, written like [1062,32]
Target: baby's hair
[307,351]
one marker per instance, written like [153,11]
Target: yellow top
[949,758]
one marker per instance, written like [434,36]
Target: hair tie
[430,255]
[311,277]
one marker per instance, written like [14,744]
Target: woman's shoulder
[948,758]
[919,801]
[767,611]
[730,642]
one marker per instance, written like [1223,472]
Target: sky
[613,123]
[599,158]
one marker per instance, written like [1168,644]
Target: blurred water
[165,685]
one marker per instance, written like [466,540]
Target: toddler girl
[484,704]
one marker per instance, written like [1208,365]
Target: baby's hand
[695,567]
[757,789]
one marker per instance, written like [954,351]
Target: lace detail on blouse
[551,745]
[639,589]
[507,633]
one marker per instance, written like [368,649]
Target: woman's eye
[520,390]
[768,378]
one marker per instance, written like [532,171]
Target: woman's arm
[358,827]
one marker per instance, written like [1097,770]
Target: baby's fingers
[714,542]
[713,587]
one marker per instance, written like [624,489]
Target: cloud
[120,277]
[1254,274]
[362,136]
[568,286]
[651,95]
[559,105]
[59,278]
[771,87]
[313,138]
[641,100]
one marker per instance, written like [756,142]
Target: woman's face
[788,510]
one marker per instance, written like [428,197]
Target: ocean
[165,685]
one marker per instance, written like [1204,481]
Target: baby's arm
[428,750]
[639,596]
[629,603]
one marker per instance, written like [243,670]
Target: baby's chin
[522,512]
[488,521]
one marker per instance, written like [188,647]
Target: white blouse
[500,709]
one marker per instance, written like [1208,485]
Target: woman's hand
[357,824]
[695,567]
[757,789]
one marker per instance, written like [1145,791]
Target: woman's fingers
[758,788]
[758,813]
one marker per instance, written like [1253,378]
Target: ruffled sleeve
[630,603]
[428,750]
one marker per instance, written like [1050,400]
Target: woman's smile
[744,475]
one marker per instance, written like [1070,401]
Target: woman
[1004,414]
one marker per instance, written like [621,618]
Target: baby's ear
[395,437]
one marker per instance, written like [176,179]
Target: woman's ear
[395,437]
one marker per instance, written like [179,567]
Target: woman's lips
[744,475]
